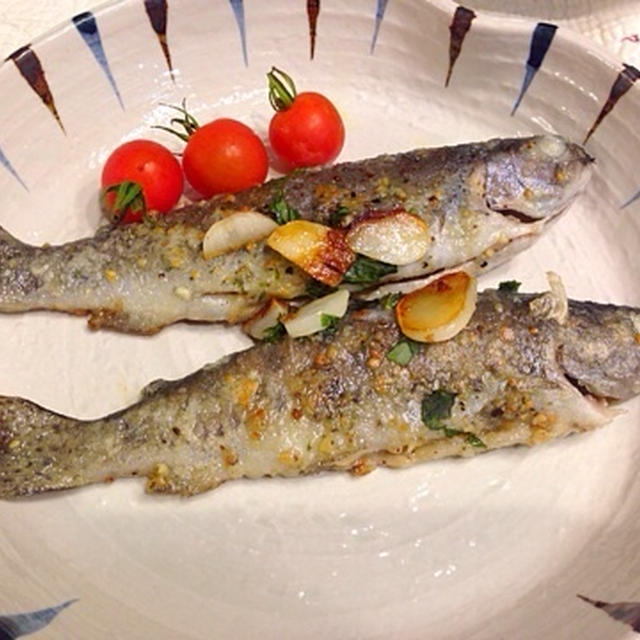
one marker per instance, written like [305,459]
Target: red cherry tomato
[224,156]
[150,165]
[307,129]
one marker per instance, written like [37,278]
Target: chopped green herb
[337,216]
[510,286]
[329,323]
[403,351]
[273,334]
[469,438]
[282,212]
[366,271]
[436,407]
[474,441]
[317,289]
[390,300]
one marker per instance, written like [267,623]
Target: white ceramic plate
[496,547]
[614,23]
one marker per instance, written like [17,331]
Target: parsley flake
[510,286]
[402,352]
[338,216]
[273,334]
[329,323]
[281,211]
[366,270]
[474,441]
[390,300]
[436,407]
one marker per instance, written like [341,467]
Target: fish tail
[34,442]
[41,450]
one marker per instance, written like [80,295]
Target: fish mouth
[530,216]
[598,407]
[579,387]
[520,215]
[601,395]
[525,218]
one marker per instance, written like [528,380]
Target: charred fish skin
[481,202]
[513,376]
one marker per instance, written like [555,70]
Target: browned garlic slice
[267,318]
[317,249]
[440,310]
[313,316]
[397,237]
[235,231]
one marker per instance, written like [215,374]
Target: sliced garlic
[313,316]
[268,317]
[319,250]
[236,231]
[396,238]
[440,310]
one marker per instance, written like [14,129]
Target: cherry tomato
[224,156]
[307,129]
[149,165]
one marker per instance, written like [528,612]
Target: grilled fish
[481,202]
[515,375]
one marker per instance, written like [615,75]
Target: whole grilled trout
[482,202]
[513,376]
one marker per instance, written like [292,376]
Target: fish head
[535,178]
[599,350]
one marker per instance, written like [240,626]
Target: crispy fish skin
[481,202]
[336,402]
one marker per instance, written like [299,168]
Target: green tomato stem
[282,90]
[128,196]
[186,121]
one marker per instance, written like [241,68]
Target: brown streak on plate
[31,70]
[625,80]
[157,10]
[460,25]
[626,612]
[313,9]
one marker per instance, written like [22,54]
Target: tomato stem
[282,90]
[186,121]
[128,197]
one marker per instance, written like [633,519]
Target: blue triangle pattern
[16,625]
[238,11]
[4,161]
[87,27]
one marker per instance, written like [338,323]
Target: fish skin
[336,402]
[481,201]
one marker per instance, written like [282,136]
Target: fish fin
[31,438]
[183,480]
[118,320]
